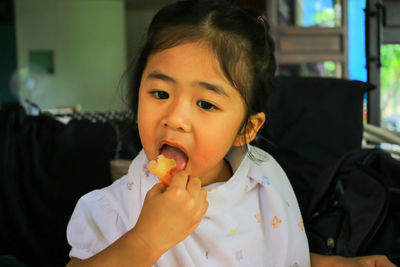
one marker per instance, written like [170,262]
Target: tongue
[176,154]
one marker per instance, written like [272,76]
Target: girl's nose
[177,117]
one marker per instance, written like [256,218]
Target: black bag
[355,207]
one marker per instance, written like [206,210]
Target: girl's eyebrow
[212,87]
[160,76]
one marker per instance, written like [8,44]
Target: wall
[137,21]
[8,62]
[88,41]
[138,17]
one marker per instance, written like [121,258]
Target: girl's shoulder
[121,201]
[97,221]
[107,200]
[263,162]
[267,171]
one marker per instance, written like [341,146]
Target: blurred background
[70,55]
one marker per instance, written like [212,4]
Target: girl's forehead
[187,49]
[189,59]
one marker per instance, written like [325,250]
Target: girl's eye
[160,94]
[206,105]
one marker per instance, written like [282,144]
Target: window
[311,37]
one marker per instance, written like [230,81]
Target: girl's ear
[253,126]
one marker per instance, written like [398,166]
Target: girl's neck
[223,174]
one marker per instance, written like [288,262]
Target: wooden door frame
[379,29]
[373,39]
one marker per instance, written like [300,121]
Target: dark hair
[239,38]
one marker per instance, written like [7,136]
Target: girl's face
[185,101]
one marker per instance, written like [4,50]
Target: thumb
[156,190]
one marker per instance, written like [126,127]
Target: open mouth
[175,153]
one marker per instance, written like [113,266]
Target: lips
[173,151]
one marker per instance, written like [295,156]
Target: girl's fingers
[193,186]
[203,197]
[203,194]
[180,179]
[155,190]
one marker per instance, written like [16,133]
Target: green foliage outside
[390,80]
[325,18]
[330,67]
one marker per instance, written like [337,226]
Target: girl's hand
[367,261]
[170,214]
[363,261]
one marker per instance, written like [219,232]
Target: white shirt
[253,219]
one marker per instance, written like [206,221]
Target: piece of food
[163,168]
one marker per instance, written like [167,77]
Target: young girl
[198,92]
